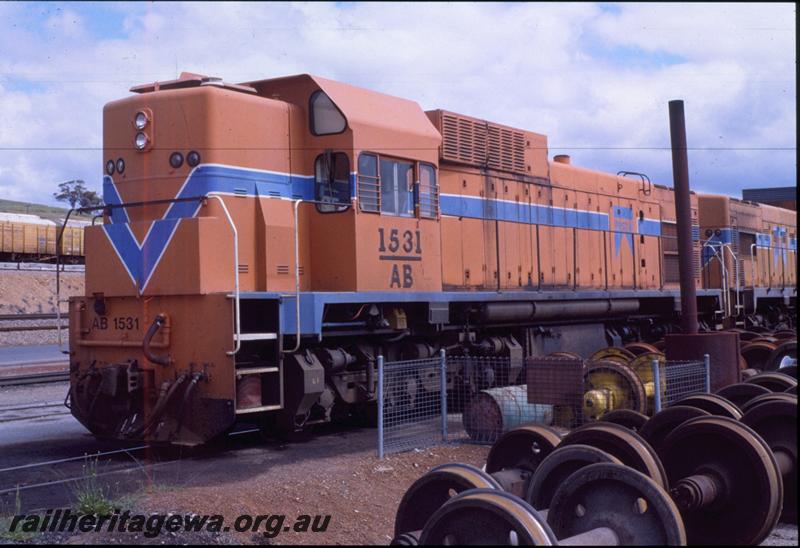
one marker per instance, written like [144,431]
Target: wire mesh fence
[410,404]
[464,399]
[680,379]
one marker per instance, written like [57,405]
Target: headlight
[193,158]
[120,165]
[141,140]
[110,167]
[140,121]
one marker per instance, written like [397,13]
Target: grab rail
[237,324]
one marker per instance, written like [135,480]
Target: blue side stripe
[491,209]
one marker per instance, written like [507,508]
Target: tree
[75,192]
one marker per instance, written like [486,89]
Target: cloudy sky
[596,78]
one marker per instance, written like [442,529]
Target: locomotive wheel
[776,422]
[633,506]
[748,505]
[785,334]
[748,335]
[772,396]
[742,392]
[627,446]
[637,348]
[759,329]
[609,374]
[664,422]
[643,367]
[626,417]
[660,345]
[431,491]
[613,353]
[756,353]
[487,517]
[782,356]
[558,466]
[714,404]
[791,390]
[774,380]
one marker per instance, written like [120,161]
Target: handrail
[237,320]
[723,274]
[296,284]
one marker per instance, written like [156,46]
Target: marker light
[176,160]
[110,167]
[120,166]
[141,140]
[193,158]
[141,120]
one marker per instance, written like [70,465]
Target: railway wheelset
[703,471]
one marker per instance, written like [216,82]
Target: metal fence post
[656,387]
[380,407]
[443,390]
[707,364]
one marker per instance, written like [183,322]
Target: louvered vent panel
[480,143]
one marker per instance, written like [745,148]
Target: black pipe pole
[683,217]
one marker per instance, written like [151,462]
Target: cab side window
[397,187]
[427,192]
[332,182]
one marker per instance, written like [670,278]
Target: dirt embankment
[35,292]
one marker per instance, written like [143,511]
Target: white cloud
[585,75]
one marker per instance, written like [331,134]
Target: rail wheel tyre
[713,403]
[558,466]
[431,491]
[627,446]
[748,335]
[487,517]
[569,355]
[609,385]
[784,355]
[628,418]
[611,496]
[785,334]
[790,370]
[776,422]
[742,392]
[643,367]
[725,481]
[518,452]
[774,380]
[613,353]
[637,348]
[664,422]
[772,396]
[757,352]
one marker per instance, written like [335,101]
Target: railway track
[41,267]
[56,481]
[34,378]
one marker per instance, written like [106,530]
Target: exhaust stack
[683,216]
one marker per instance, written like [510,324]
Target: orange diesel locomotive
[263,243]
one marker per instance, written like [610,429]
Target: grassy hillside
[43,211]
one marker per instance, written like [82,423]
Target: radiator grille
[481,143]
